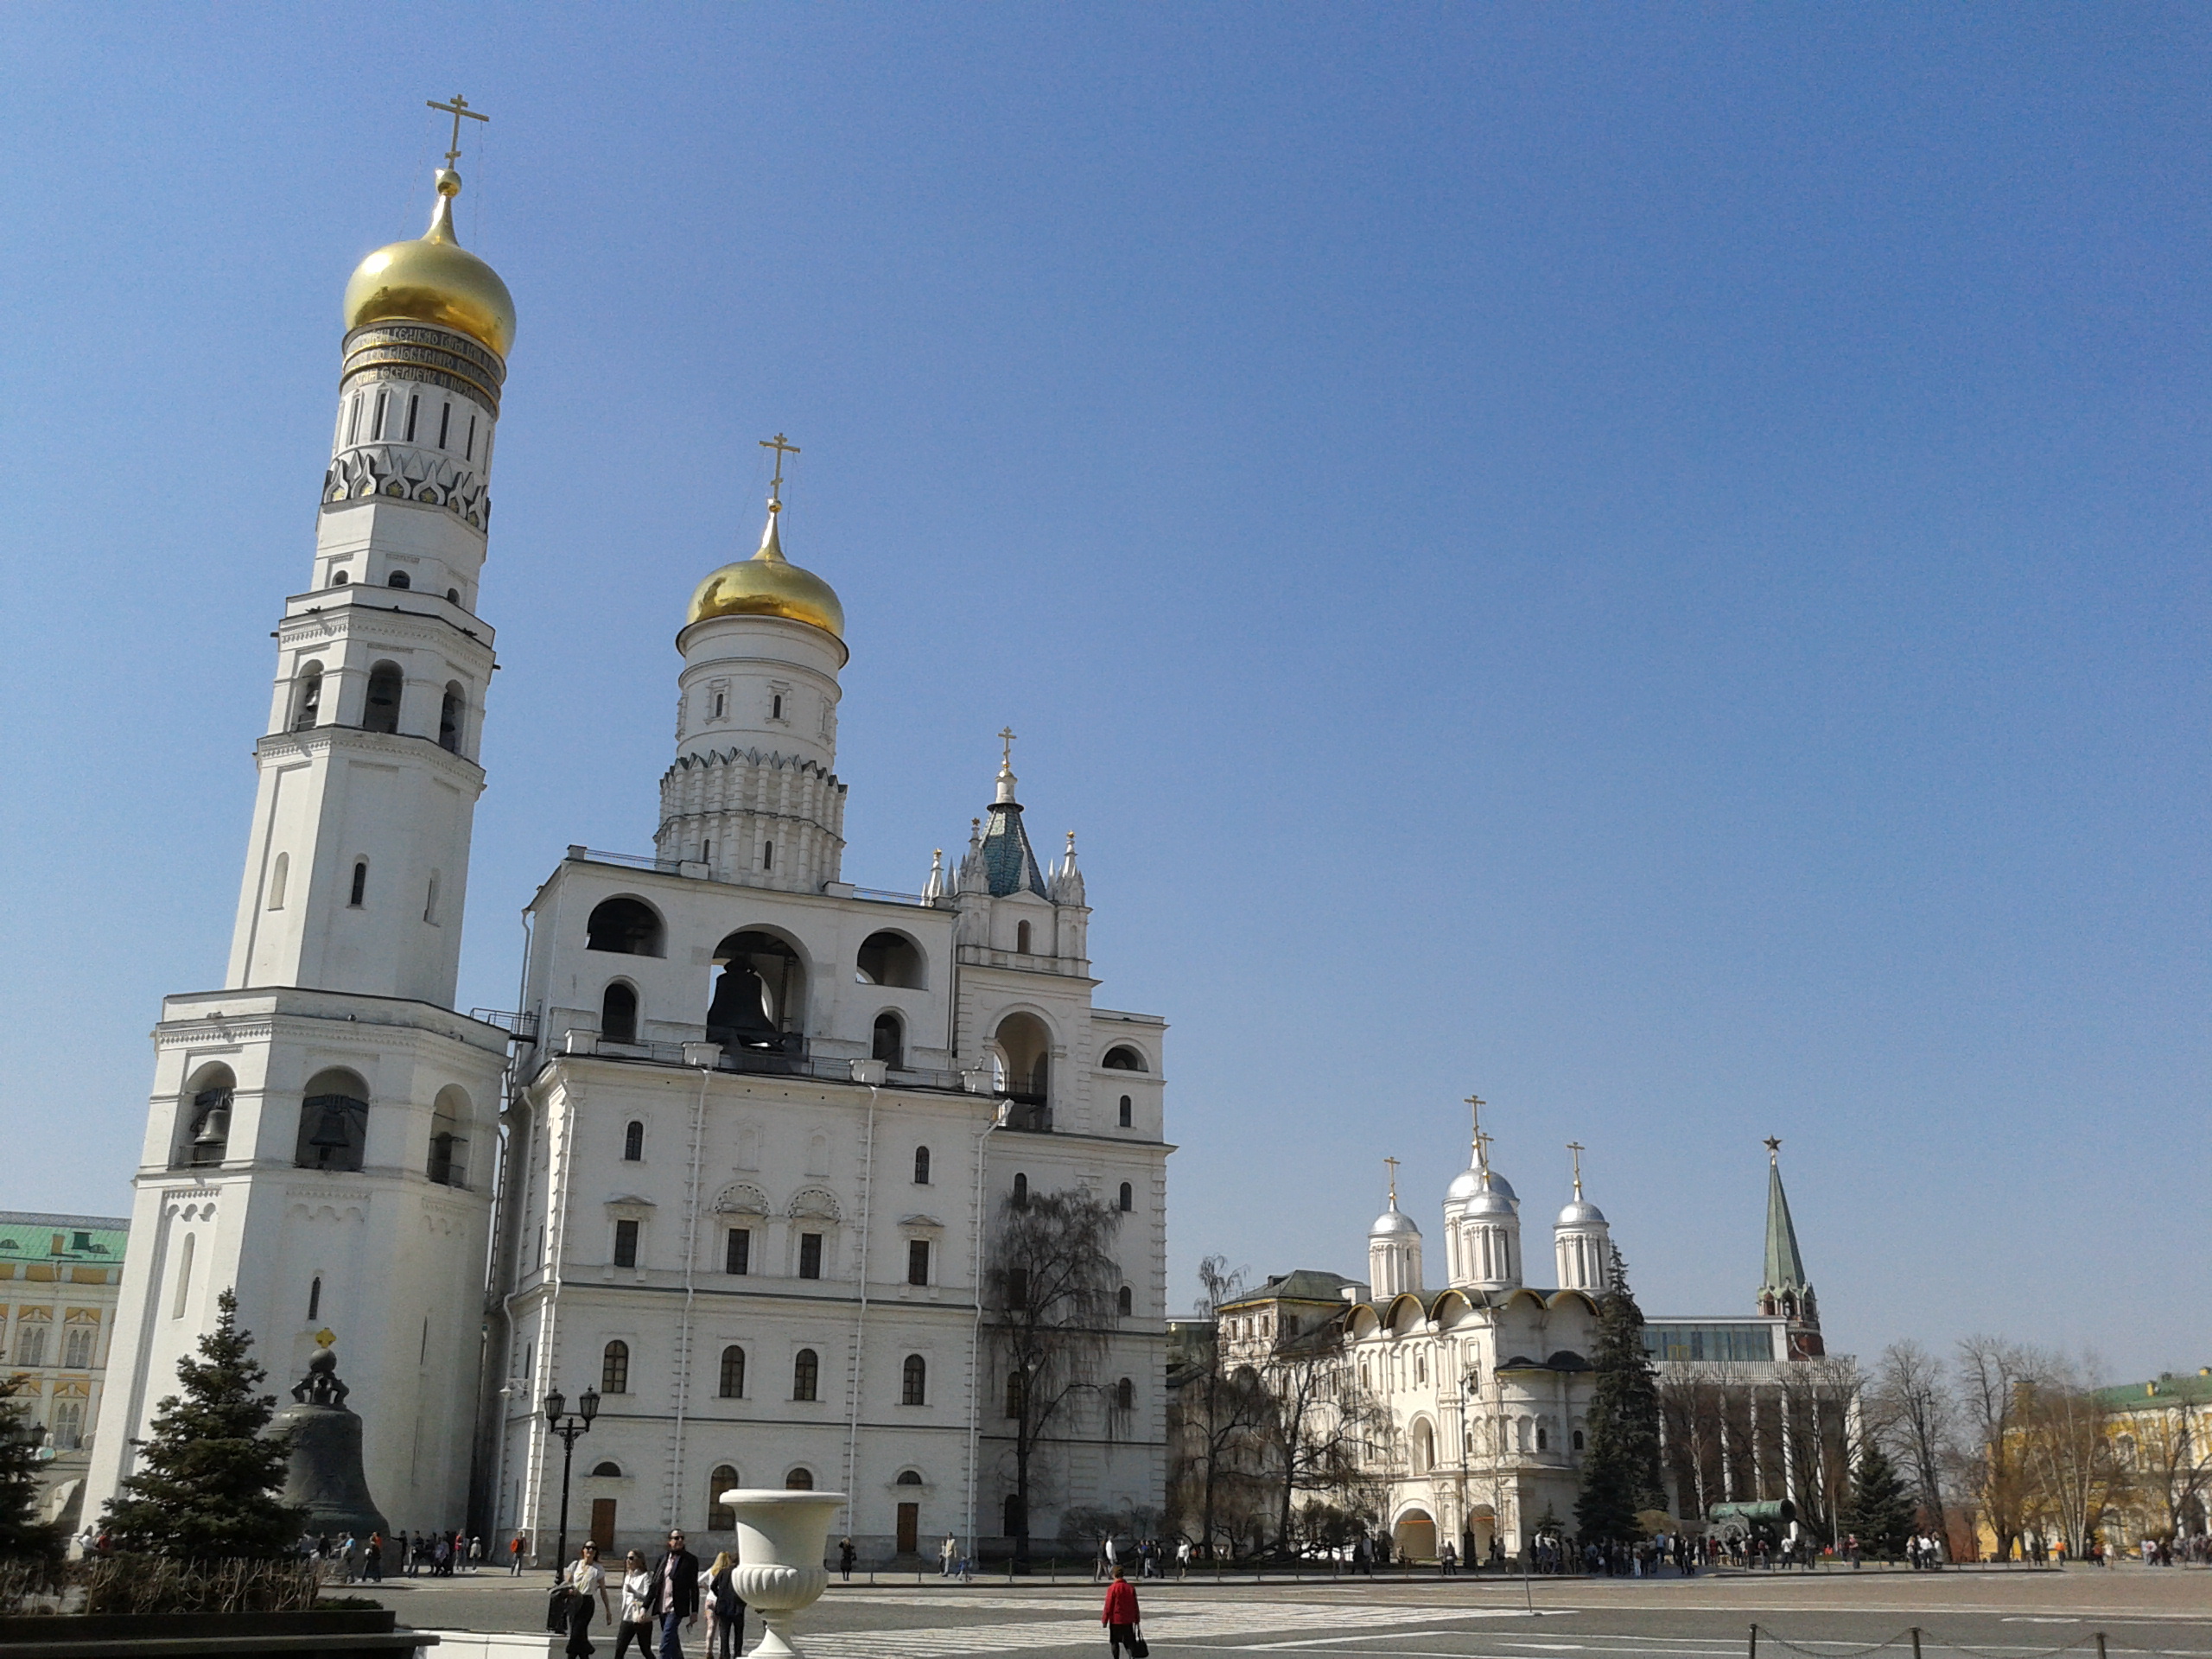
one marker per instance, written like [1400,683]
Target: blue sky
[1647,561]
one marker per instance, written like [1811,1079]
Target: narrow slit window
[278,878]
[445,424]
[634,1143]
[469,453]
[768,854]
[1126,1112]
[776,707]
[315,1299]
[376,425]
[353,421]
[718,705]
[430,901]
[360,893]
[414,402]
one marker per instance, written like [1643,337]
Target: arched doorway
[1413,1538]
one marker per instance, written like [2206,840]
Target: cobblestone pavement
[1838,1615]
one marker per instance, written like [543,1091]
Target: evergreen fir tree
[208,1484]
[1620,1462]
[1881,1509]
[20,1532]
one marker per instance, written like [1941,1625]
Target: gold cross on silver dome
[776,483]
[457,109]
[1577,1149]
[1392,1162]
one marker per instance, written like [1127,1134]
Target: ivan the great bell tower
[322,1128]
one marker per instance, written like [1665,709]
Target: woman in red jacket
[1120,1617]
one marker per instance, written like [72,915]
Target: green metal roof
[1007,861]
[1785,1269]
[2164,1389]
[30,1235]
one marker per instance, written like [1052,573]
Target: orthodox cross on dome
[1476,1103]
[1577,1149]
[1773,1149]
[1392,1162]
[776,483]
[1006,746]
[458,108]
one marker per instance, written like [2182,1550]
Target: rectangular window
[413,403]
[810,1256]
[737,1253]
[917,1261]
[626,1244]
[445,424]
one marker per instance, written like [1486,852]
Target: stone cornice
[318,741]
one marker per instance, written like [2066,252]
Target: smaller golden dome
[435,280]
[768,584]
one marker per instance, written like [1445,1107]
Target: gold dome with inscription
[434,280]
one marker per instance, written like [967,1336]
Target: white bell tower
[1581,1240]
[322,1128]
[1393,1250]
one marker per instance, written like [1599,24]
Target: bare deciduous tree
[1219,1416]
[1991,1373]
[2066,1453]
[1913,1414]
[1051,1290]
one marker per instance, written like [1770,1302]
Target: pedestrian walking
[584,1582]
[675,1602]
[946,1554]
[514,1556]
[636,1623]
[846,1556]
[1121,1617]
[724,1610]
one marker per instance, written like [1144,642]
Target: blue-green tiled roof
[1006,858]
[28,1236]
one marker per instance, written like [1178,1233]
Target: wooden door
[603,1525]
[910,1529]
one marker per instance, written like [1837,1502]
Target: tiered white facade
[756,1121]
[766,1118]
[313,1120]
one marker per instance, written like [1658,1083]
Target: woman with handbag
[637,1623]
[583,1581]
[1121,1617]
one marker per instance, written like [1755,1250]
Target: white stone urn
[781,1539]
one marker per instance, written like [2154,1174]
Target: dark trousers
[637,1631]
[579,1622]
[671,1635]
[1119,1636]
[729,1633]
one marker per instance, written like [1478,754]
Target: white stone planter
[781,1539]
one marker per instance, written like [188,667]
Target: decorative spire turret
[1007,862]
[1783,1287]
[1067,885]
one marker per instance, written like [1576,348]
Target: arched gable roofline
[1532,1297]
[1565,1297]
[1406,1313]
[1450,1307]
[1363,1321]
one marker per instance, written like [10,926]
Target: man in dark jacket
[675,1597]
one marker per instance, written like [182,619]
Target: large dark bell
[325,1475]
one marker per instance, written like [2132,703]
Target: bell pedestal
[781,1539]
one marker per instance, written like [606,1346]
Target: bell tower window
[449,719]
[398,579]
[381,712]
[310,703]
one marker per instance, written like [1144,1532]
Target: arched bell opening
[760,995]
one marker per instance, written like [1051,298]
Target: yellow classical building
[60,1276]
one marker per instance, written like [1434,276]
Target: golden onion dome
[768,584]
[435,280]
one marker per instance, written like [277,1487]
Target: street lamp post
[569,1425]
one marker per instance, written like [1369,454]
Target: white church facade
[746,1134]
[1476,1394]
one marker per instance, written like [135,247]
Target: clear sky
[1646,562]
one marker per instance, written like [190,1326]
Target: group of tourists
[1148,1555]
[658,1603]
[416,1554]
